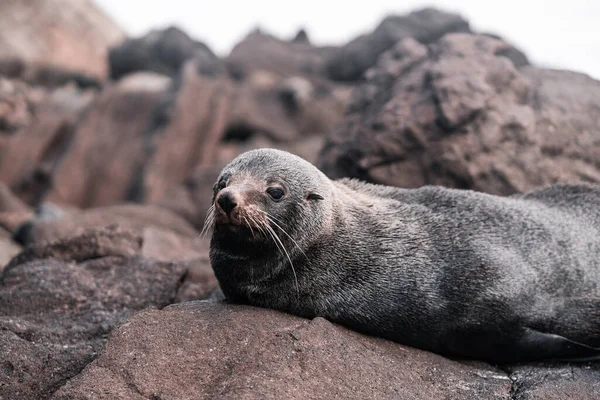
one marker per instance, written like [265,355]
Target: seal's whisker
[245,219]
[208,220]
[256,223]
[272,219]
[275,237]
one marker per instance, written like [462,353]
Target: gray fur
[452,271]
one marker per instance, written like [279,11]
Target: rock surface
[231,352]
[162,51]
[53,223]
[556,382]
[458,113]
[425,25]
[59,302]
[74,35]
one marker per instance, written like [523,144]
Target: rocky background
[109,147]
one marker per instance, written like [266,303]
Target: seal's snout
[230,204]
[227,202]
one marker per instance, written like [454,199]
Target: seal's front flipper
[550,346]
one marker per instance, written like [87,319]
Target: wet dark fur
[452,271]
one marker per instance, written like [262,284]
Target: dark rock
[425,26]
[301,37]
[207,350]
[64,34]
[55,315]
[556,382]
[458,113]
[162,51]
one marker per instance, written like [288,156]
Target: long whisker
[271,218]
[208,220]
[248,224]
[276,238]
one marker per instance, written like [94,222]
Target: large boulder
[70,34]
[459,113]
[204,350]
[36,127]
[162,51]
[425,25]
[58,303]
[108,146]
[53,222]
[260,51]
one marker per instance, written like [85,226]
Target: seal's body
[452,271]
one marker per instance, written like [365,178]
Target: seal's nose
[227,202]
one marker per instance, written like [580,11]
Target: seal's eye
[275,193]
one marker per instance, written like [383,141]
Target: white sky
[561,34]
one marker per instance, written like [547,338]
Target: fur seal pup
[456,272]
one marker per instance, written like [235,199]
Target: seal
[456,272]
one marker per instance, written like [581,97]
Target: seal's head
[268,202]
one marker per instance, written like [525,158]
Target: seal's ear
[314,196]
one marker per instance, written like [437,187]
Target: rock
[72,35]
[200,281]
[107,150]
[9,202]
[425,25]
[556,382]
[39,125]
[262,52]
[206,350]
[128,216]
[163,51]
[206,117]
[92,244]
[9,249]
[518,58]
[48,76]
[188,130]
[56,313]
[458,113]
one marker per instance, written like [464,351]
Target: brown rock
[425,26]
[92,244]
[9,202]
[262,52]
[189,136]
[129,216]
[40,126]
[199,282]
[459,114]
[107,150]
[55,315]
[207,350]
[8,248]
[74,35]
